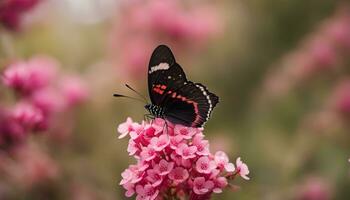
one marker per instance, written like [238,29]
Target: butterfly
[173,97]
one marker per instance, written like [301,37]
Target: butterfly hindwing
[190,105]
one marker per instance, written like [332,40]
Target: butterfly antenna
[124,96]
[138,93]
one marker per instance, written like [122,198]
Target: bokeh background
[280,68]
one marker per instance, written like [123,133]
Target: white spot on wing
[161,66]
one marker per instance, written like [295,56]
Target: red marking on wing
[159,88]
[196,110]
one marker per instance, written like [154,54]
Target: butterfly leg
[148,117]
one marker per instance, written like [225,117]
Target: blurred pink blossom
[12,11]
[315,189]
[323,51]
[48,100]
[74,90]
[79,191]
[30,166]
[339,29]
[45,97]
[25,77]
[28,116]
[169,162]
[11,131]
[142,25]
[341,97]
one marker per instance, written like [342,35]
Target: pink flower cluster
[40,95]
[142,25]
[341,97]
[174,161]
[315,188]
[11,12]
[28,166]
[324,51]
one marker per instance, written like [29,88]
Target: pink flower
[315,188]
[11,12]
[28,116]
[175,141]
[242,169]
[201,186]
[322,54]
[202,145]
[159,143]
[133,63]
[186,132]
[167,161]
[204,165]
[127,175]
[11,131]
[222,161]
[164,167]
[341,97]
[171,22]
[33,167]
[74,90]
[148,153]
[339,30]
[40,104]
[132,147]
[125,128]
[186,151]
[147,192]
[178,175]
[48,100]
[154,177]
[150,131]
[130,189]
[26,77]
[219,184]
[16,76]
[138,176]
[137,130]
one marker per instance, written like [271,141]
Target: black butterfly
[173,97]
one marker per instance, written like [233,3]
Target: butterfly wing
[164,75]
[190,105]
[183,101]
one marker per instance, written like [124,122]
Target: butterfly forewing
[164,74]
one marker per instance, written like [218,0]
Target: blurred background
[280,68]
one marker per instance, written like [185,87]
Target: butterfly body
[155,110]
[173,97]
